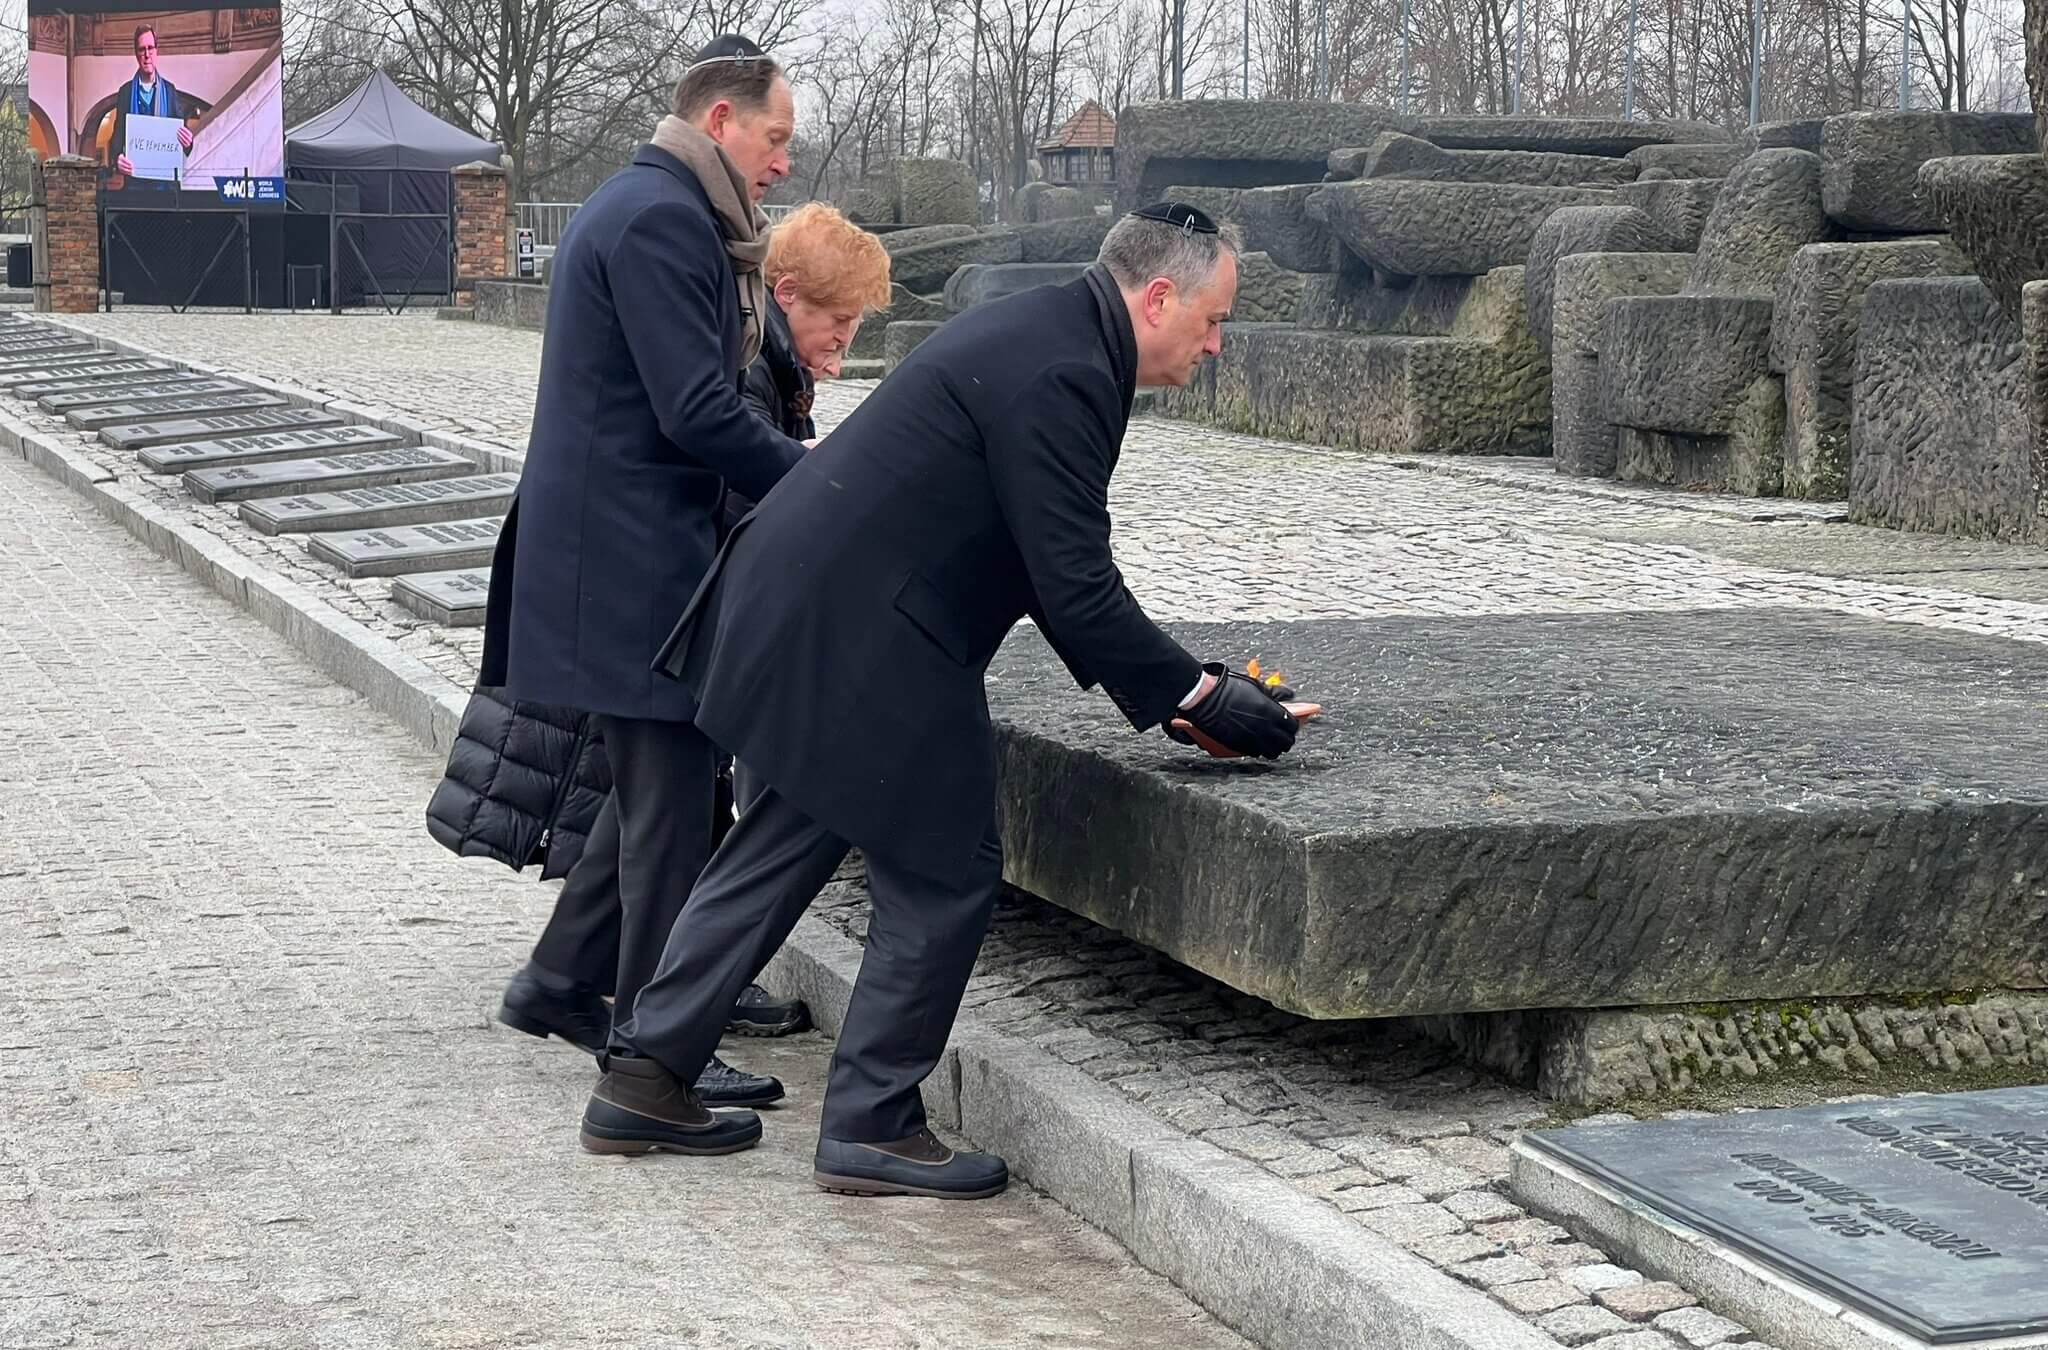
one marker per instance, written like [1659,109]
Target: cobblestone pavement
[249,1092]
[1379,1122]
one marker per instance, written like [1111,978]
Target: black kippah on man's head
[728,47]
[1179,215]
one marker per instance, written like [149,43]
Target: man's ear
[717,119]
[1156,292]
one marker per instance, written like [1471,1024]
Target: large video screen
[164,97]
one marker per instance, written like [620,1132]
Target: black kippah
[728,47]
[1179,215]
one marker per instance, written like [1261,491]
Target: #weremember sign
[1927,1214]
[153,147]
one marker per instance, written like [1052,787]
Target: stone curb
[1270,1261]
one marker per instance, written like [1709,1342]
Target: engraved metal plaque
[1927,1214]
[451,599]
[69,353]
[399,549]
[264,447]
[97,415]
[114,377]
[374,508]
[138,435]
[353,469]
[145,390]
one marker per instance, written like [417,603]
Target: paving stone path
[1379,1122]
[250,1095]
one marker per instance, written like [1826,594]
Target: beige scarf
[742,223]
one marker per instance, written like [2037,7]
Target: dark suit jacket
[638,426]
[838,648]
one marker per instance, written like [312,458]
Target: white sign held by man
[153,147]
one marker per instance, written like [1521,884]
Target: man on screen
[149,94]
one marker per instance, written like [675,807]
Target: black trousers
[650,840]
[581,940]
[922,941]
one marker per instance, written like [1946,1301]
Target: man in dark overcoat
[655,307]
[838,651]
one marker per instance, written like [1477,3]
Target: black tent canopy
[384,155]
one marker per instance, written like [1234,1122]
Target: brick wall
[66,227]
[483,234]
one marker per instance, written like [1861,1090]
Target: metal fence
[547,220]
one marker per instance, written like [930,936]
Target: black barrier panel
[176,256]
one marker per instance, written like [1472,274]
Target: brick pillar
[483,228]
[65,230]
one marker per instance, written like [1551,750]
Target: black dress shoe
[722,1085]
[919,1165]
[639,1107]
[541,1003]
[759,1013]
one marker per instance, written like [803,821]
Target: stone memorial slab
[401,549]
[451,599]
[113,375]
[141,435]
[186,386]
[351,469]
[86,365]
[97,415]
[29,342]
[264,447]
[69,353]
[1927,1216]
[1523,811]
[378,507]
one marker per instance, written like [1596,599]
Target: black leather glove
[1238,714]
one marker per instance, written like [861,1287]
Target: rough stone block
[1266,292]
[901,339]
[1872,161]
[1353,300]
[977,284]
[1394,155]
[1235,143]
[2034,334]
[1466,768]
[925,267]
[2034,20]
[1680,206]
[905,306]
[1274,221]
[1748,460]
[1682,362]
[1433,229]
[1075,240]
[1582,441]
[1805,133]
[1996,210]
[1580,229]
[935,192]
[1585,282]
[1689,161]
[1457,394]
[1566,135]
[896,241]
[1045,202]
[1813,344]
[1769,209]
[1940,429]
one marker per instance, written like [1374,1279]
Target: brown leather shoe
[639,1107]
[919,1165]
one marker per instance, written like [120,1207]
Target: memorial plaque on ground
[30,342]
[378,507]
[69,354]
[114,376]
[140,435]
[264,447]
[453,544]
[1926,1214]
[451,599]
[1550,811]
[95,416]
[87,367]
[150,390]
[356,468]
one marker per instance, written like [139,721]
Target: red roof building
[1083,153]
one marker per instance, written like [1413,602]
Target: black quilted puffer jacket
[524,783]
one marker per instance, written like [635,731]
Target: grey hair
[1137,250]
